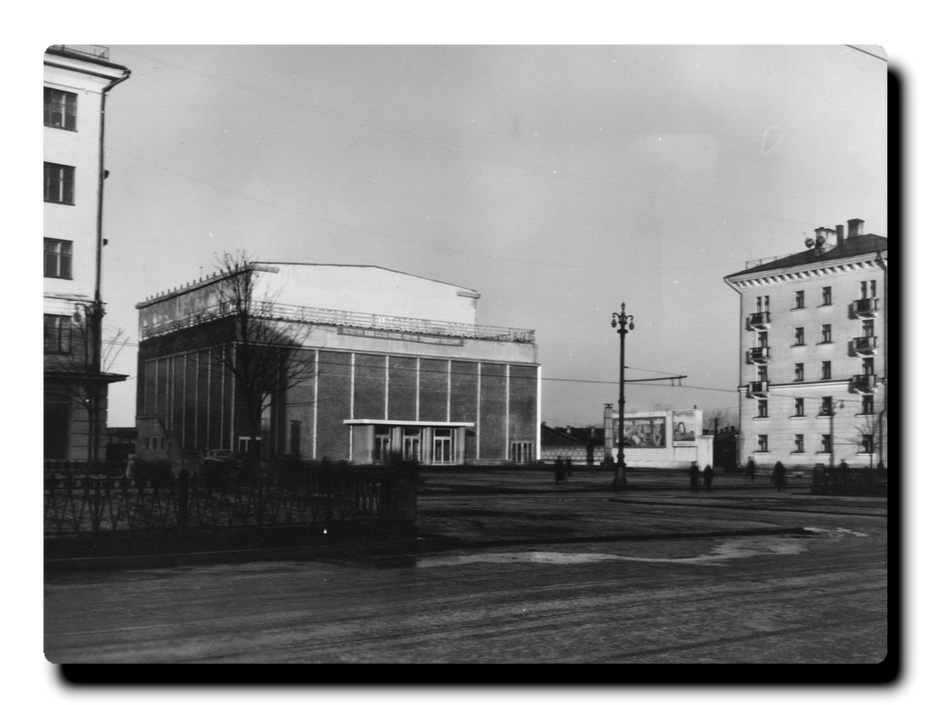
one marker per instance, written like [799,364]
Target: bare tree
[869,435]
[254,340]
[81,371]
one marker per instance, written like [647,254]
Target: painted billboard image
[644,432]
[685,425]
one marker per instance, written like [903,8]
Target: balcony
[862,347]
[759,321]
[863,308]
[758,390]
[757,355]
[862,384]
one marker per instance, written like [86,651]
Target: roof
[365,266]
[851,247]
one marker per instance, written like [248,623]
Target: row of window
[826,407]
[865,441]
[867,290]
[799,370]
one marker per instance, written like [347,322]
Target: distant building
[581,445]
[77,80]
[813,352]
[398,365]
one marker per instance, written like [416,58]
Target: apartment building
[388,362]
[813,352]
[77,80]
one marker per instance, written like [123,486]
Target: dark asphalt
[543,573]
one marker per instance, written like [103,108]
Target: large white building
[77,80]
[395,363]
[813,353]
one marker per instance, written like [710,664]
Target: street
[545,574]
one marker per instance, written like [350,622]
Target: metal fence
[95,504]
[849,481]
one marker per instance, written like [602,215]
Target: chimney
[840,230]
[855,227]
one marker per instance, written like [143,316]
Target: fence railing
[350,319]
[94,504]
[869,481]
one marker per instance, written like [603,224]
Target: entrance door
[442,449]
[411,440]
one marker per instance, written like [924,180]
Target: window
[296,429]
[762,408]
[59,183]
[762,373]
[826,443]
[826,369]
[868,286]
[868,327]
[762,443]
[762,339]
[799,444]
[800,336]
[60,109]
[522,452]
[762,304]
[866,404]
[826,296]
[827,408]
[866,443]
[799,407]
[867,367]
[57,334]
[800,299]
[826,332]
[799,372]
[57,258]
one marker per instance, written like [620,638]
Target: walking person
[707,478]
[779,476]
[750,469]
[694,476]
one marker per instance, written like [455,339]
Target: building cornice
[789,275]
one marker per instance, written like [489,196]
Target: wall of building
[188,400]
[68,431]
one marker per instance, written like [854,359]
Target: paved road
[547,575]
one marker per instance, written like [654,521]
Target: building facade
[77,80]
[391,363]
[813,353]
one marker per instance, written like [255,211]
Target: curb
[170,560]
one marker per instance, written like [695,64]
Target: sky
[559,181]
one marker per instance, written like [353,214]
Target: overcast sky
[557,181]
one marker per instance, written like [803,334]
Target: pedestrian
[779,476]
[558,470]
[694,476]
[750,469]
[131,469]
[707,477]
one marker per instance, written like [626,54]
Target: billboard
[686,426]
[643,432]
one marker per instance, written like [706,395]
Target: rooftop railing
[349,319]
[94,51]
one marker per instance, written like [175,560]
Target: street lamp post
[623,323]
